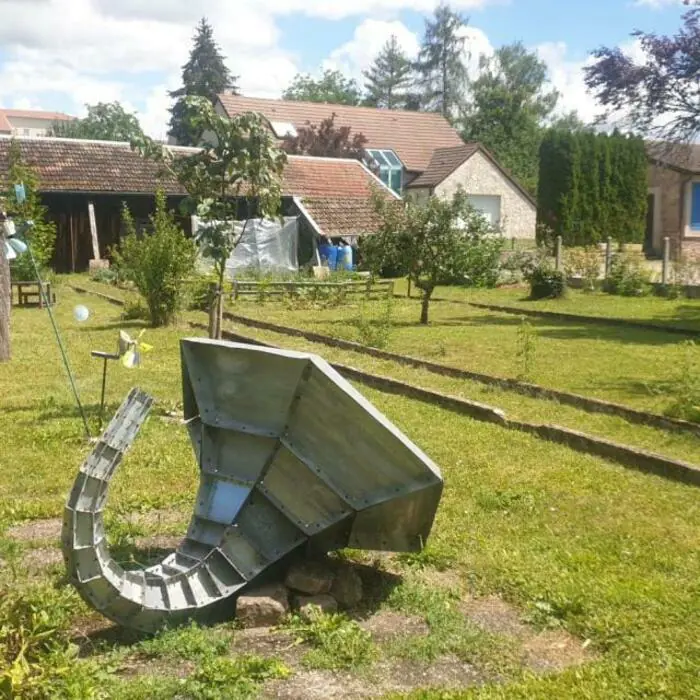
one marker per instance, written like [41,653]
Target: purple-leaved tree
[659,94]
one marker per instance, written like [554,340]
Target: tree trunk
[5,303]
[425,306]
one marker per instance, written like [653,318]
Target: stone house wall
[479,176]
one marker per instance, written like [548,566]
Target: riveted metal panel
[290,455]
[301,495]
[242,388]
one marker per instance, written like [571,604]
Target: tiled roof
[68,165]
[414,136]
[683,157]
[342,216]
[338,190]
[447,160]
[6,116]
[444,162]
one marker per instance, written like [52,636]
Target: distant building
[331,197]
[29,122]
[674,199]
[416,154]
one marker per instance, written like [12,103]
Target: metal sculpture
[292,457]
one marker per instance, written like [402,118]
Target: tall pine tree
[441,68]
[389,77]
[204,75]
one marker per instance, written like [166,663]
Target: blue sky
[60,54]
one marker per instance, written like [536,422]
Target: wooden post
[408,293]
[93,232]
[73,246]
[666,269]
[558,254]
[608,256]
[368,291]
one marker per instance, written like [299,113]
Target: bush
[545,281]
[627,277]
[42,235]
[584,263]
[159,263]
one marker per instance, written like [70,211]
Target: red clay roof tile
[413,136]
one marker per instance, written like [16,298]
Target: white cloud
[368,40]
[567,76]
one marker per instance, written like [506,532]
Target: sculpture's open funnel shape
[291,456]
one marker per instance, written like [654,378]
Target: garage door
[488,205]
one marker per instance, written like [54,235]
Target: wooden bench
[29,294]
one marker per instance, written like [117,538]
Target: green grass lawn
[680,313]
[624,365]
[574,541]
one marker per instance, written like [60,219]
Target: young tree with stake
[239,164]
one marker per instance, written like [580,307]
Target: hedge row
[592,186]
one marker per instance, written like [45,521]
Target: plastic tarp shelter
[266,246]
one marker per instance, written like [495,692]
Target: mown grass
[676,444]
[679,313]
[610,554]
[624,365]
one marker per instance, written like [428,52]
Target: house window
[390,168]
[488,205]
[695,207]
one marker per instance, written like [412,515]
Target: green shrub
[686,386]
[545,282]
[337,642]
[158,263]
[627,277]
[584,263]
[105,276]
[199,292]
[42,235]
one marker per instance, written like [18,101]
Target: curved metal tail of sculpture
[290,456]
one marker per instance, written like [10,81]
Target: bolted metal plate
[290,456]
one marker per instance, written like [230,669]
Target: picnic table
[29,294]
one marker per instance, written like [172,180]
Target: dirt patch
[269,643]
[542,652]
[37,530]
[494,615]
[159,542]
[553,651]
[387,625]
[446,672]
[38,560]
[320,685]
[140,666]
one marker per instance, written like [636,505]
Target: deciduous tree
[508,106]
[204,75]
[389,77]
[658,89]
[104,122]
[441,62]
[239,164]
[326,140]
[445,241]
[332,87]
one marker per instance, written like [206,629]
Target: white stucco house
[28,122]
[490,189]
[416,154]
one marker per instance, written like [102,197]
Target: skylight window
[390,168]
[283,130]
